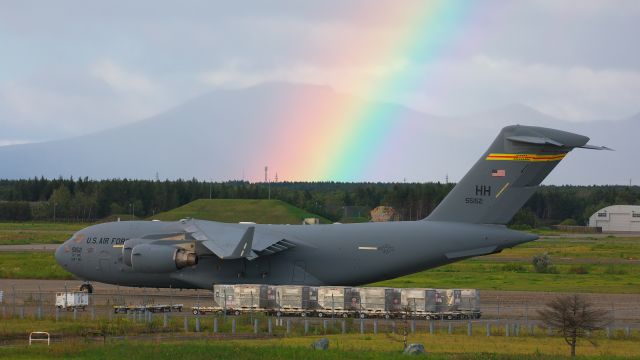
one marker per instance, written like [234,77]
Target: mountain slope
[297,129]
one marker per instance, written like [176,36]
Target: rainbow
[340,141]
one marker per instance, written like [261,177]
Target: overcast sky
[74,67]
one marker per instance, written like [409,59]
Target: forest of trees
[90,200]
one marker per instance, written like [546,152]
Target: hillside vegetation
[236,210]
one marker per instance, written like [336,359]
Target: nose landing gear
[86,287]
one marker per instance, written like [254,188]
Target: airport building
[617,218]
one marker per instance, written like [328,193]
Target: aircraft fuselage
[336,254]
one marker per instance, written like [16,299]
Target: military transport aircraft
[191,253]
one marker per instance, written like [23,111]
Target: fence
[500,317]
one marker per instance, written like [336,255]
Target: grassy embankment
[233,211]
[380,346]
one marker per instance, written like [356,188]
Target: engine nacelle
[127,249]
[152,258]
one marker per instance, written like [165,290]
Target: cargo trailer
[72,300]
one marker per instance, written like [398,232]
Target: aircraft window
[602,214]
[635,214]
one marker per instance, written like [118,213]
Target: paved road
[30,247]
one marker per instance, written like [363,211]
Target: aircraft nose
[60,255]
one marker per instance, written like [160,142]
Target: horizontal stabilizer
[535,140]
[595,147]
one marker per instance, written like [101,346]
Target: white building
[617,218]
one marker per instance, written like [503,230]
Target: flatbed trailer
[204,310]
[154,308]
[448,315]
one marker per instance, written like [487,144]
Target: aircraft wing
[236,241]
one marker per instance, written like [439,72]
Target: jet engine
[154,258]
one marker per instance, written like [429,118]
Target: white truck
[72,300]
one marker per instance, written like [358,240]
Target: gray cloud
[72,67]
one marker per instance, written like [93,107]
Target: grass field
[481,274]
[585,247]
[381,346]
[233,211]
[12,233]
[31,265]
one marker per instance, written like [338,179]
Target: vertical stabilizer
[506,175]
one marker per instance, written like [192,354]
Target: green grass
[380,346]
[12,233]
[233,211]
[31,265]
[587,247]
[481,274]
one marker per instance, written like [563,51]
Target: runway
[29,247]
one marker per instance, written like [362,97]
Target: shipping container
[352,300]
[421,301]
[441,303]
[224,296]
[255,296]
[380,302]
[296,297]
[470,300]
[331,298]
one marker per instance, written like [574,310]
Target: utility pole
[266,179]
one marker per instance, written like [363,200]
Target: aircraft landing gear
[87,287]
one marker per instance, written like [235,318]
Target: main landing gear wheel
[87,287]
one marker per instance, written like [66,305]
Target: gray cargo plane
[469,222]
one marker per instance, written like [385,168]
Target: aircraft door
[299,272]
